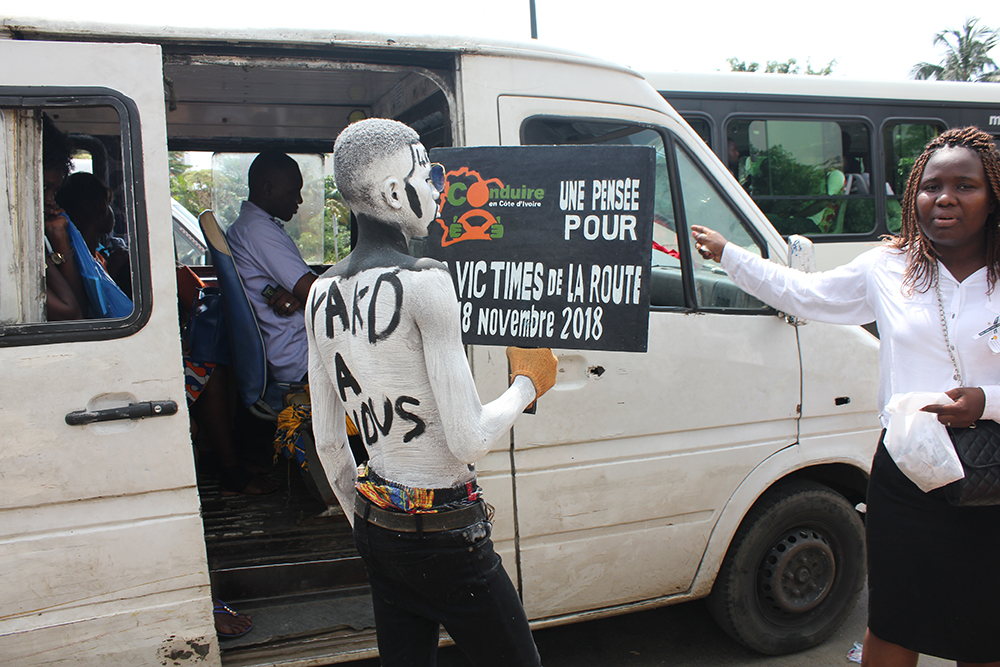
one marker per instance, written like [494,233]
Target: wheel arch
[845,472]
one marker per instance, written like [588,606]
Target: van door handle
[131,411]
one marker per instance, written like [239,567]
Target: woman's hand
[967,408]
[708,243]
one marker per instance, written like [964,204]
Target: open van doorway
[285,558]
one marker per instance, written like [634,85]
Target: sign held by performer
[548,246]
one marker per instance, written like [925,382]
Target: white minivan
[726,462]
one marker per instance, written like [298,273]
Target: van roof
[296,89]
[46,29]
[755,83]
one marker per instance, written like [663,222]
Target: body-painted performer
[385,348]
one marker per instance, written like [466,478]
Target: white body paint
[422,360]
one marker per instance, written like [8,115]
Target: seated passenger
[733,157]
[277,280]
[65,296]
[86,202]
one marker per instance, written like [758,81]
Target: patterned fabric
[195,378]
[293,421]
[412,500]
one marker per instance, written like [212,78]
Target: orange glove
[537,364]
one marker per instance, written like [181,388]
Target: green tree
[737,65]
[966,56]
[336,223]
[191,187]
[789,66]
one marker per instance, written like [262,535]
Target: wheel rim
[797,574]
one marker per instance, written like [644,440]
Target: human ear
[392,192]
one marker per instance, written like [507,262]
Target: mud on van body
[730,454]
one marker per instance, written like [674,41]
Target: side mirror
[801,254]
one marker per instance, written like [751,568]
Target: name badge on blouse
[993,332]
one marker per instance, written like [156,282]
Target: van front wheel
[793,572]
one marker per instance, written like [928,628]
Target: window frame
[44,98]
[877,167]
[669,139]
[903,120]
[690,290]
[713,131]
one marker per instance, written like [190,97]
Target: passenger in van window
[277,279]
[385,347]
[733,157]
[57,155]
[86,202]
[932,575]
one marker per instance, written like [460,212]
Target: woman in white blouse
[933,575]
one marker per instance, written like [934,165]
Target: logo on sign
[467,188]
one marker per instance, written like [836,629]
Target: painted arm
[470,427]
[330,428]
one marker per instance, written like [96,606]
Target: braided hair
[921,264]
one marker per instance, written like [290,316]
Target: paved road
[681,636]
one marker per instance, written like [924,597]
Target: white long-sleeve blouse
[912,352]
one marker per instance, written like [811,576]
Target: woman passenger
[933,579]
[86,207]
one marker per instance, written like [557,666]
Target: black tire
[793,572]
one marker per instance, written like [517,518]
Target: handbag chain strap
[944,327]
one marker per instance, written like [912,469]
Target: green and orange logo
[467,188]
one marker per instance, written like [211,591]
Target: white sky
[871,39]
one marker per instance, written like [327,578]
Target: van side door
[102,552]
[622,475]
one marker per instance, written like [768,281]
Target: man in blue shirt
[277,280]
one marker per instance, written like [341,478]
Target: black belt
[416,523]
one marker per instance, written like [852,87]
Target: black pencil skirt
[933,569]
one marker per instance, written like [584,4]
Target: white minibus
[728,461]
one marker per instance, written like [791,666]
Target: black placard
[548,246]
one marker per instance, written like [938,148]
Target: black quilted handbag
[978,449]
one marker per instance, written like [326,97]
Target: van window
[702,127]
[904,142]
[704,205]
[673,264]
[807,176]
[69,161]
[202,180]
[230,188]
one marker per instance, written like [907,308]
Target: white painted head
[383,173]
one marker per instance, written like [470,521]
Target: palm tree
[966,55]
